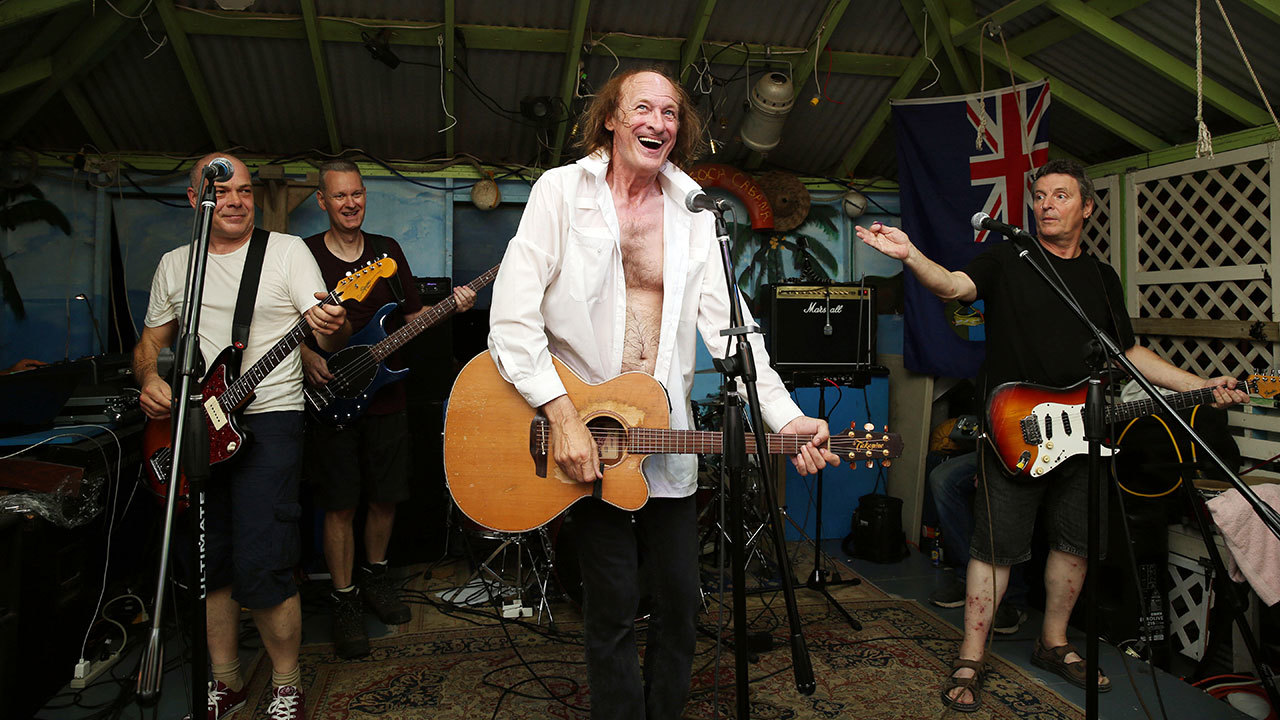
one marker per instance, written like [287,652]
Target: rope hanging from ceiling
[1204,141]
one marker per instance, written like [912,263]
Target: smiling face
[342,197]
[1060,211]
[233,215]
[645,123]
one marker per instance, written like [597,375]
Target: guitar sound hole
[611,438]
[353,370]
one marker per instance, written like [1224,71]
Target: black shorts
[367,459]
[1064,495]
[252,513]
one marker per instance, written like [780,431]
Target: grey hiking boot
[350,639]
[381,594]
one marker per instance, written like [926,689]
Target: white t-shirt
[290,276]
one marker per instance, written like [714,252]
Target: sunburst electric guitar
[358,369]
[222,393]
[500,472]
[1035,428]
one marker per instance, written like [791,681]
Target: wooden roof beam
[1000,16]
[25,75]
[191,70]
[1073,98]
[692,47]
[1147,53]
[879,120]
[322,74]
[942,22]
[569,79]
[73,58]
[1058,29]
[98,133]
[14,12]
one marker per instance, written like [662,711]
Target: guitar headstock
[867,444]
[357,284]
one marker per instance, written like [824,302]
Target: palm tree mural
[764,258]
[15,212]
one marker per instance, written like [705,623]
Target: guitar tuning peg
[868,427]
[348,273]
[870,464]
[886,463]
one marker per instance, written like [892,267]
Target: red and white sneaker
[286,703]
[223,700]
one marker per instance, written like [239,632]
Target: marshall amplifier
[821,329]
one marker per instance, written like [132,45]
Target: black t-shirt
[390,398]
[1031,334]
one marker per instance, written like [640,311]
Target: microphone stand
[740,363]
[818,579]
[190,444]
[1095,421]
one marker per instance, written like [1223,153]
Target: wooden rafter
[191,70]
[998,17]
[1073,98]
[25,75]
[13,12]
[69,61]
[879,119]
[1055,31]
[322,74]
[569,80]
[692,47]
[98,132]
[1147,53]
[942,21]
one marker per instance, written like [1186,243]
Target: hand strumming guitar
[571,444]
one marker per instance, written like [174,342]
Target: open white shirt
[561,290]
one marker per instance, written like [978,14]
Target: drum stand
[512,569]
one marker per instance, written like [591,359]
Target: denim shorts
[252,521]
[1005,506]
[368,458]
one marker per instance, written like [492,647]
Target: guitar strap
[249,288]
[380,249]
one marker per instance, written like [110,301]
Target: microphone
[698,200]
[219,170]
[983,221]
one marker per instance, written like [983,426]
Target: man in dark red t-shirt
[369,457]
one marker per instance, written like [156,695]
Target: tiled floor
[913,578]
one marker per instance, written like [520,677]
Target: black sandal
[1055,660]
[972,684]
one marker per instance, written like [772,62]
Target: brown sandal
[972,684]
[1054,660]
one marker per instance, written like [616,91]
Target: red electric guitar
[222,393]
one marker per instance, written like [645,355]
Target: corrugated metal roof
[506,76]
[875,26]
[157,115]
[670,19]
[389,113]
[791,24]
[816,137]
[266,92]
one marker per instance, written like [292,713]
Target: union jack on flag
[958,156]
[1011,148]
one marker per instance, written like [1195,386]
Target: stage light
[771,100]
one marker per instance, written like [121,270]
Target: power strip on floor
[88,671]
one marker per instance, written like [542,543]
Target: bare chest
[641,245]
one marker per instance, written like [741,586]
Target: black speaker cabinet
[821,328]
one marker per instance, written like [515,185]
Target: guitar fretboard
[238,391]
[1121,412]
[871,445]
[438,312]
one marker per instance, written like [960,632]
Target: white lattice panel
[1199,247]
[1100,228]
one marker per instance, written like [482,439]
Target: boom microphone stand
[740,363]
[190,445]
[1095,420]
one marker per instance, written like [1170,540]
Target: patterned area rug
[456,664]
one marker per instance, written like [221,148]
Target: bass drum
[565,542]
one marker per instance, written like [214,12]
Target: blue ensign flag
[958,156]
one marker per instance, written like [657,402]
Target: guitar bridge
[1030,430]
[539,437]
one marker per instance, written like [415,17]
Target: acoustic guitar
[222,393]
[498,465]
[1035,428]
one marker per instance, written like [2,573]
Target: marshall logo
[821,308]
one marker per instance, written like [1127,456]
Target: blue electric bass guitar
[359,369]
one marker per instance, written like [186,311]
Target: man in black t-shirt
[368,458]
[1032,337]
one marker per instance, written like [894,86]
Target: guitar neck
[1122,412]
[238,391]
[435,314]
[653,440]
